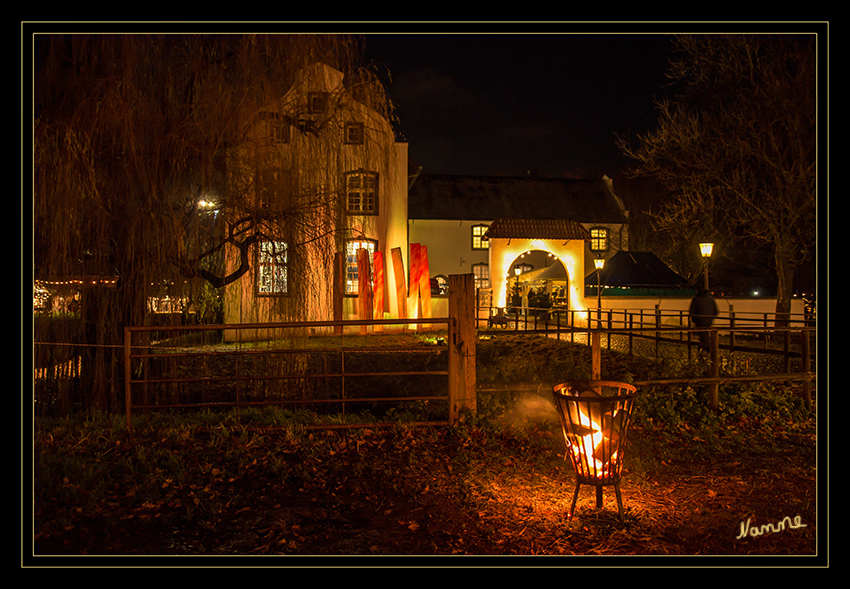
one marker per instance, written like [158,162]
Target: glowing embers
[595,419]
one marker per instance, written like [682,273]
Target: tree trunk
[785,288]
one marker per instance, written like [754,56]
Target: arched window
[442,284]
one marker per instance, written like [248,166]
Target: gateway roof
[536,229]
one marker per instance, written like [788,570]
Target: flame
[590,447]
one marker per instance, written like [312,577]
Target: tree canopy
[736,146]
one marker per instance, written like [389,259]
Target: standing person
[703,310]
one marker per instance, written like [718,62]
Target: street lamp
[518,271]
[705,249]
[599,263]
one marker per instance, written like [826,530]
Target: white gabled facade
[335,162]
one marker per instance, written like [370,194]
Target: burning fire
[594,435]
[595,428]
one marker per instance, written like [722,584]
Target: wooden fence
[732,332]
[140,376]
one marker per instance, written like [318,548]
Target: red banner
[424,282]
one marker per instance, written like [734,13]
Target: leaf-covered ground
[495,485]
[426,491]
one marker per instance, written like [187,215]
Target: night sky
[513,104]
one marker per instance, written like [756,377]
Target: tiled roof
[451,197]
[536,229]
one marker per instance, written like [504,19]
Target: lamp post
[599,263]
[517,272]
[705,249]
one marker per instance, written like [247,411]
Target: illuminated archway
[536,267]
[569,252]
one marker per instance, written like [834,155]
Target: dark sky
[508,104]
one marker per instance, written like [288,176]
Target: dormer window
[316,102]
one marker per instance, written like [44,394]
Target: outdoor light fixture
[705,249]
[599,263]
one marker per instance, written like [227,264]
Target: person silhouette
[702,312]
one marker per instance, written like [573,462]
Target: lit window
[482,275]
[352,281]
[354,133]
[478,232]
[272,275]
[599,239]
[361,192]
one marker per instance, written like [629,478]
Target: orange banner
[364,287]
[400,289]
[378,287]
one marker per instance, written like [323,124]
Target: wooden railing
[460,348]
[731,332]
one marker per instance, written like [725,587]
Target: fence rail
[140,374]
[672,328]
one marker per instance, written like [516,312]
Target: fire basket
[595,418]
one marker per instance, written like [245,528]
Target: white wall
[745,309]
[449,245]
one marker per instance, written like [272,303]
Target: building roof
[454,197]
[536,229]
[636,269]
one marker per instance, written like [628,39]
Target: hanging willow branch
[132,131]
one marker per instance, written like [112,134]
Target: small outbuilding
[636,273]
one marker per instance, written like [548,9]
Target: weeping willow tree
[736,148]
[135,178]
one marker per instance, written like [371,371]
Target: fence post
[462,343]
[128,372]
[731,329]
[714,388]
[657,327]
[595,356]
[807,366]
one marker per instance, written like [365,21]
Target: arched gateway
[561,238]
